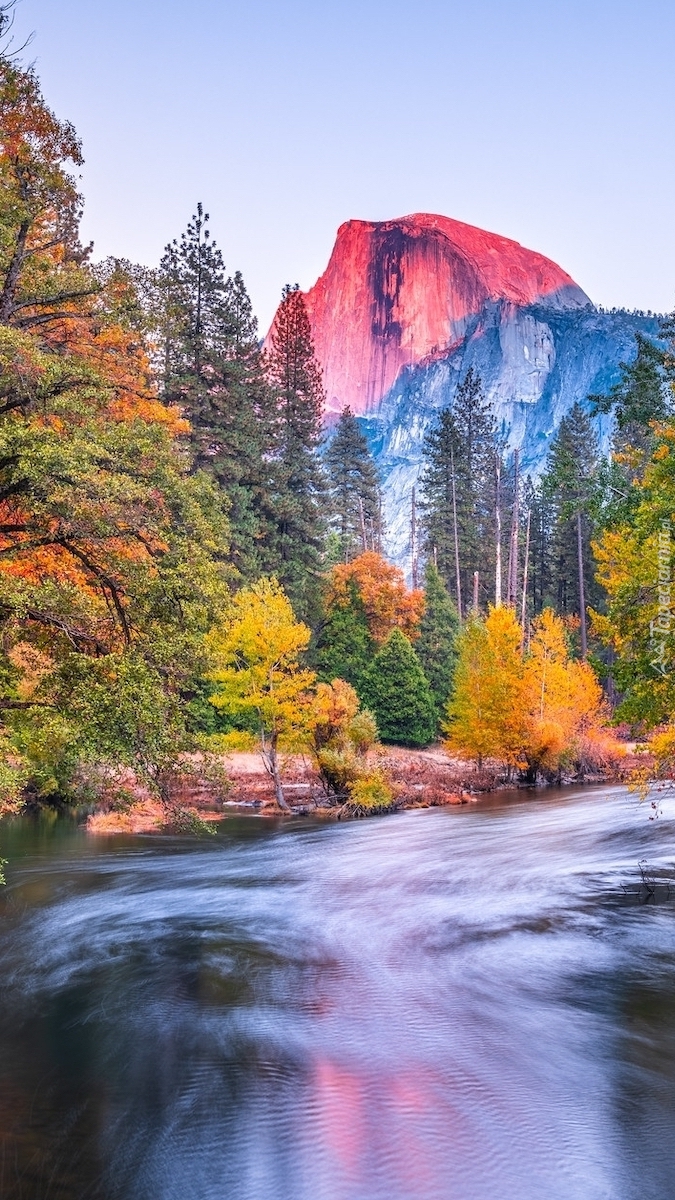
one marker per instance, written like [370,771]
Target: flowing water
[441,1005]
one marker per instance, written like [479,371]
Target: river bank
[428,778]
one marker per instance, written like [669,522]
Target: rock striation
[406,306]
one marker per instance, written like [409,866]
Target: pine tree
[459,479]
[640,397]
[345,646]
[639,400]
[569,488]
[539,585]
[194,317]
[354,489]
[296,543]
[212,367]
[436,647]
[396,690]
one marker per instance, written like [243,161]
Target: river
[451,1004]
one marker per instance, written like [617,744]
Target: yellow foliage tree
[486,716]
[342,735]
[256,653]
[563,699]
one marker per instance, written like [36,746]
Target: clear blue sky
[549,121]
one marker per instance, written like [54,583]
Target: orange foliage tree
[540,713]
[387,602]
[564,702]
[111,556]
[486,712]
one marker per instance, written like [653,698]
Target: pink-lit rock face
[398,292]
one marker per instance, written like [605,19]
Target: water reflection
[447,1004]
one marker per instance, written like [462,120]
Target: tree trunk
[413,540]
[512,588]
[8,295]
[582,590]
[454,526]
[271,760]
[364,536]
[498,524]
[523,611]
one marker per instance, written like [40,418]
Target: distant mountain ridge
[406,306]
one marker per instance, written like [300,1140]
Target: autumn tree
[296,543]
[363,601]
[43,274]
[354,490]
[111,557]
[256,651]
[486,714]
[397,691]
[342,733]
[387,602]
[563,700]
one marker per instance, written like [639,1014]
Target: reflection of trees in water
[49,1115]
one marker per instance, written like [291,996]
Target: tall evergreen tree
[354,489]
[345,646]
[539,587]
[460,454]
[642,398]
[569,488]
[396,690]
[194,318]
[212,367]
[436,645]
[296,543]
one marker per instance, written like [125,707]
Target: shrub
[370,793]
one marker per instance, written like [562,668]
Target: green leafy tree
[436,646]
[354,489]
[640,401]
[397,691]
[256,652]
[112,557]
[640,397]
